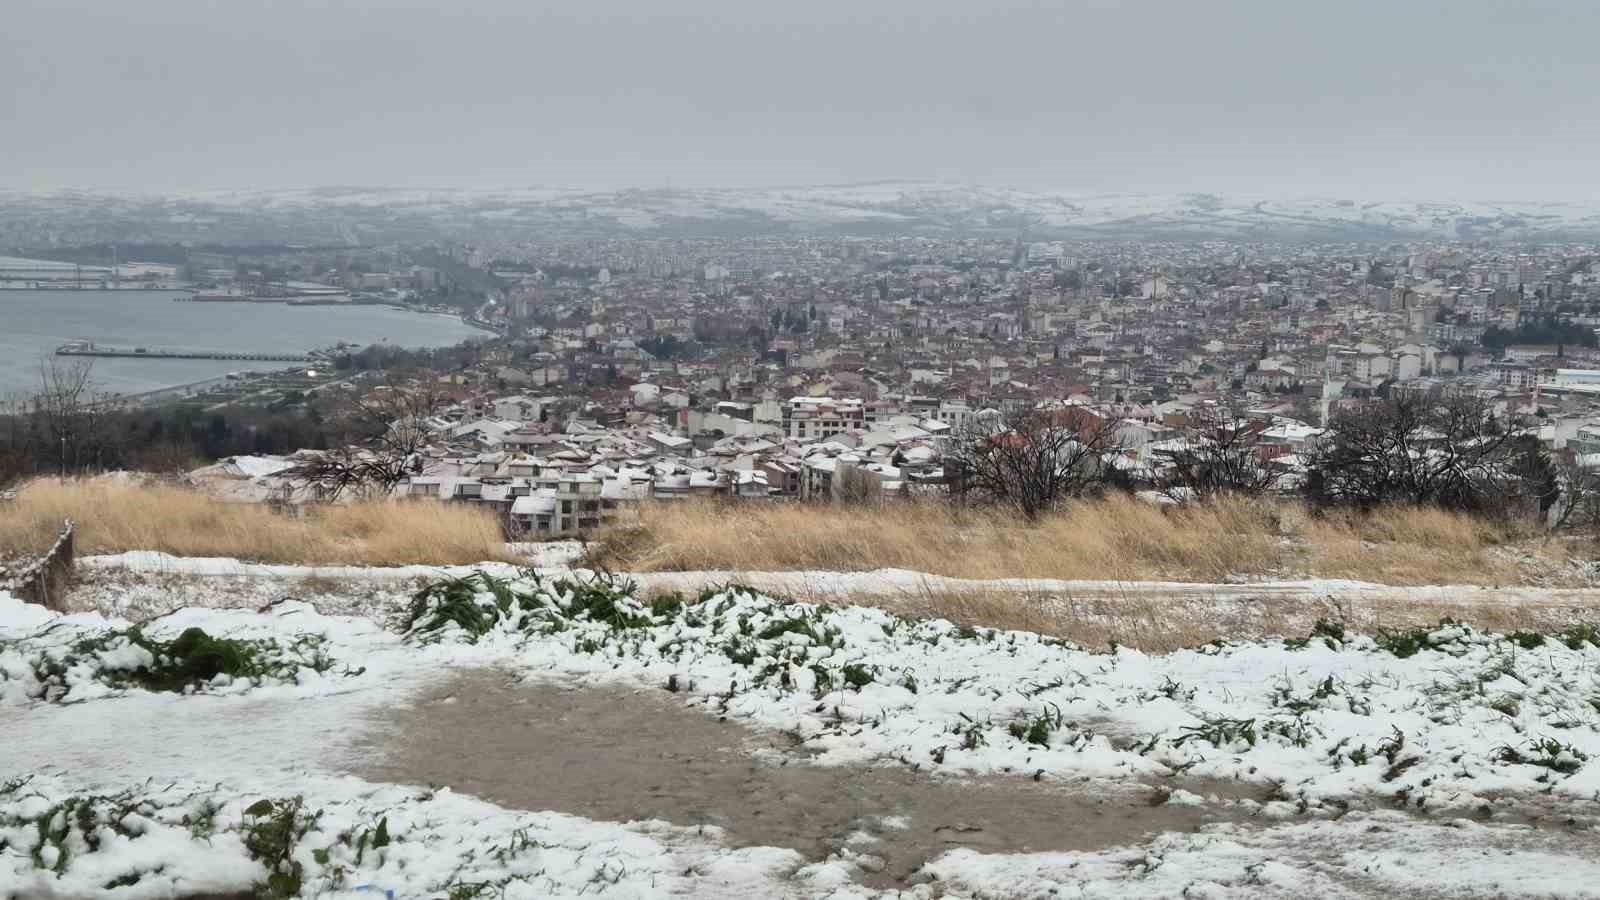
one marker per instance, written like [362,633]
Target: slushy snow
[107,789]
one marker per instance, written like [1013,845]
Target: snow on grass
[181,839]
[78,658]
[1443,717]
[557,559]
[97,792]
[169,840]
[1432,717]
[135,793]
[548,554]
[1378,853]
[110,661]
[151,561]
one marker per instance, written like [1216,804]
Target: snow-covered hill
[881,207]
[923,206]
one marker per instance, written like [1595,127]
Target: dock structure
[142,353]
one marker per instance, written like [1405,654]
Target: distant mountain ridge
[377,213]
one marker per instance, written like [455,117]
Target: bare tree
[16,457]
[382,434]
[1446,451]
[855,485]
[69,416]
[1577,504]
[1219,451]
[1034,460]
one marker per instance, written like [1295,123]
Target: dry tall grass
[1116,538]
[113,517]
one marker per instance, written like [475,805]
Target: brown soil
[623,754]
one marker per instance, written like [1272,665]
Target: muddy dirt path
[624,754]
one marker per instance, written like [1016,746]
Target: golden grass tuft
[115,516]
[1113,539]
[1409,545]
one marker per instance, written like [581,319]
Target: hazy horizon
[1335,193]
[1474,100]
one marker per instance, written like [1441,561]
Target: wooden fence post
[46,579]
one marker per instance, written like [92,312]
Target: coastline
[158,395]
[471,323]
[150,397]
[462,317]
[97,290]
[156,387]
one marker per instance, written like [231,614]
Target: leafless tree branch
[1033,460]
[383,432]
[1220,451]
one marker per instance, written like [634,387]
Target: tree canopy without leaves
[1577,500]
[1032,460]
[1219,451]
[383,433]
[64,426]
[1447,451]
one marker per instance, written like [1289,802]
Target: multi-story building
[819,418]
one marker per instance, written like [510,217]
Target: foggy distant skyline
[1465,100]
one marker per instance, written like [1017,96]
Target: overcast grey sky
[1462,99]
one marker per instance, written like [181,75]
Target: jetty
[87,349]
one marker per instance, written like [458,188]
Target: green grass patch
[1037,729]
[71,827]
[129,658]
[1546,752]
[1219,732]
[271,832]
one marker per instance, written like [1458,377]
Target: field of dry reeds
[1118,540]
[114,516]
[1115,538]
[1130,543]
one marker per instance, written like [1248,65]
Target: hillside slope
[367,214]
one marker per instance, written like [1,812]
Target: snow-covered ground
[1152,615]
[559,558]
[1347,766]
